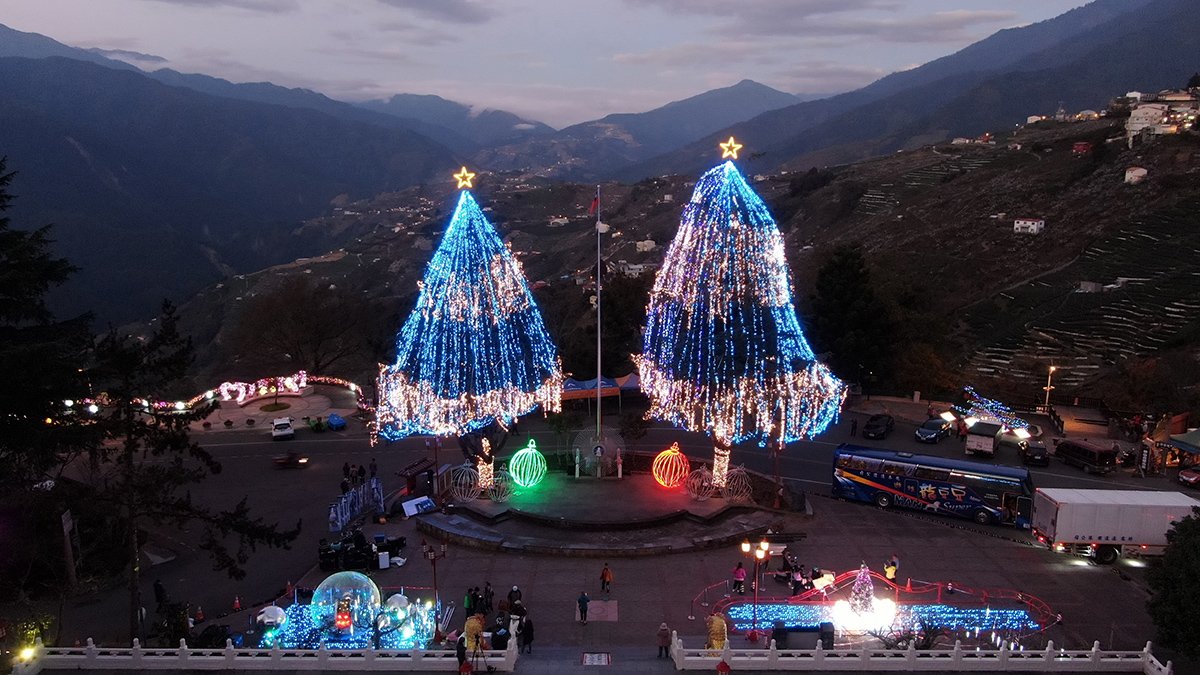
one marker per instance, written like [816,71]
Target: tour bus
[985,493]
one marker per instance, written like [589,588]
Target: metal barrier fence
[360,499]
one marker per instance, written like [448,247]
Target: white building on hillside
[1029,225]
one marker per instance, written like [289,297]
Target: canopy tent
[630,382]
[1189,442]
[575,389]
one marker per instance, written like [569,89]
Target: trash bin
[385,560]
[779,633]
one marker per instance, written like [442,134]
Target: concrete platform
[593,517]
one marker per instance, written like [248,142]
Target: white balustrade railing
[91,657]
[954,659]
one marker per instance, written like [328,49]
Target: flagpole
[598,324]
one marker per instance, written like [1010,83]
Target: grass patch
[275,407]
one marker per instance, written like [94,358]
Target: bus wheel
[883,499]
[983,517]
[1106,555]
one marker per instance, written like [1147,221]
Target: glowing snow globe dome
[351,592]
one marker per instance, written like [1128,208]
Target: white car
[281,429]
[1014,437]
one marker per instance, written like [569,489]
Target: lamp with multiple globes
[759,553]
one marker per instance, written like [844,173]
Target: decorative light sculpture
[738,487]
[699,484]
[464,483]
[502,486]
[670,467]
[723,352]
[528,466]
[982,407]
[475,349]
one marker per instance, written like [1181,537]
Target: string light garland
[723,351]
[475,349]
[670,467]
[982,407]
[484,467]
[528,466]
[811,615]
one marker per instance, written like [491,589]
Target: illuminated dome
[354,591]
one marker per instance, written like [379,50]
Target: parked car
[933,430]
[1034,453]
[281,429]
[1011,437]
[878,426]
[1190,477]
[1087,456]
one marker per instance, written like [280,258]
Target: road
[288,496]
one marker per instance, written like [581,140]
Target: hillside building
[1029,225]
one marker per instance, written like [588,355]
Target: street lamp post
[433,554]
[759,553]
[1048,386]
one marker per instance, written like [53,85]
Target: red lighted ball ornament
[670,467]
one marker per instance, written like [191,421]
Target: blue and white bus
[985,493]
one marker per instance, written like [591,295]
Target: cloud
[128,56]
[454,11]
[824,19]
[270,6]
[416,35]
[824,77]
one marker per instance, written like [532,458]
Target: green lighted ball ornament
[528,466]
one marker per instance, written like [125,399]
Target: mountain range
[179,179]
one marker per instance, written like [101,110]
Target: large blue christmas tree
[474,351]
[723,352]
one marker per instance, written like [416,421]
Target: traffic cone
[237,603]
[199,614]
[908,585]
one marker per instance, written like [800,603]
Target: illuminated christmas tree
[862,594]
[723,351]
[474,351]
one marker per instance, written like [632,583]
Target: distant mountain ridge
[176,188]
[594,148]
[484,127]
[900,99]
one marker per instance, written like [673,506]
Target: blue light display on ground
[944,616]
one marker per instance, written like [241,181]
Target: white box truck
[981,439]
[1105,524]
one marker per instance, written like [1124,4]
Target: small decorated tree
[862,594]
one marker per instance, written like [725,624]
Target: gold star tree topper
[464,178]
[729,149]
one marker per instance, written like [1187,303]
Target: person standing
[160,594]
[374,468]
[513,596]
[460,650]
[854,427]
[664,640]
[488,596]
[739,579]
[353,475]
[525,635]
[467,606]
[606,578]
[583,606]
[346,470]
[362,475]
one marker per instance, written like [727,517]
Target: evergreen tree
[1174,606]
[723,352]
[152,459]
[849,320]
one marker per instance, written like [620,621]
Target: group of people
[511,621]
[354,475]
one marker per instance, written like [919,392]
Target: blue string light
[303,628]
[980,406]
[475,349]
[810,616]
[723,351]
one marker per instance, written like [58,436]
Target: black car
[878,426]
[933,430]
[1034,453]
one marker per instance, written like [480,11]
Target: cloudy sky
[558,61]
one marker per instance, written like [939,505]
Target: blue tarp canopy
[1189,442]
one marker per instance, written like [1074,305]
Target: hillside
[176,188]
[928,220]
[482,127]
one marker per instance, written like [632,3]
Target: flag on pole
[595,203]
